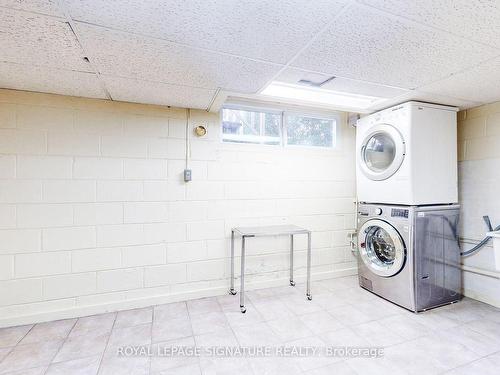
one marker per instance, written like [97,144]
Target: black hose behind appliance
[484,241]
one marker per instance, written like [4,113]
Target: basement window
[304,130]
[275,127]
[251,126]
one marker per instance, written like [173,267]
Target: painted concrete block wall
[479,194]
[95,216]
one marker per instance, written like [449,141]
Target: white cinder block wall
[479,194]
[94,214]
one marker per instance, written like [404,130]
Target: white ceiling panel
[27,38]
[131,90]
[55,81]
[369,45]
[477,20]
[50,7]
[179,53]
[481,83]
[262,29]
[424,97]
[291,75]
[128,55]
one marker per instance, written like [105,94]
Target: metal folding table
[272,230]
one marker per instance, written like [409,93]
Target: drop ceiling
[192,53]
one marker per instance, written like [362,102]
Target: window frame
[283,112]
[332,117]
[253,109]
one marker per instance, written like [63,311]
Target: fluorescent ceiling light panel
[318,95]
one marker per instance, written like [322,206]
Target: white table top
[270,230]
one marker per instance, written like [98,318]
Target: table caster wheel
[309,297]
[292,283]
[243,309]
[232,291]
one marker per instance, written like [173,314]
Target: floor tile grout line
[478,359]
[475,360]
[11,348]
[297,316]
[192,330]
[151,339]
[30,368]
[26,334]
[231,327]
[428,335]
[107,343]
[475,331]
[60,347]
[328,365]
[70,360]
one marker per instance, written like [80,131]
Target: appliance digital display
[399,212]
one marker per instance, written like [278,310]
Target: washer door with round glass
[381,248]
[382,152]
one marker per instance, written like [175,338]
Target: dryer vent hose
[484,241]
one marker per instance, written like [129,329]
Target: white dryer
[407,155]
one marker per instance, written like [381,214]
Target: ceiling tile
[424,97]
[369,45]
[127,55]
[480,83]
[474,20]
[269,30]
[132,90]
[55,81]
[50,7]
[291,75]
[39,40]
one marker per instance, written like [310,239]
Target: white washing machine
[410,255]
[407,155]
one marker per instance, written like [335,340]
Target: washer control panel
[399,212]
[384,211]
[370,211]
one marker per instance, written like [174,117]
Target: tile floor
[463,338]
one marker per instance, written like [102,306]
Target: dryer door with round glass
[382,152]
[381,248]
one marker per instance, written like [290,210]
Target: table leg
[292,283]
[242,288]
[308,293]
[231,290]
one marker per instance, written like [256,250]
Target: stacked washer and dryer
[408,212]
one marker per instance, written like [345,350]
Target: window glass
[249,125]
[310,131]
[245,126]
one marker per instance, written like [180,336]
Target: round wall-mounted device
[200,131]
